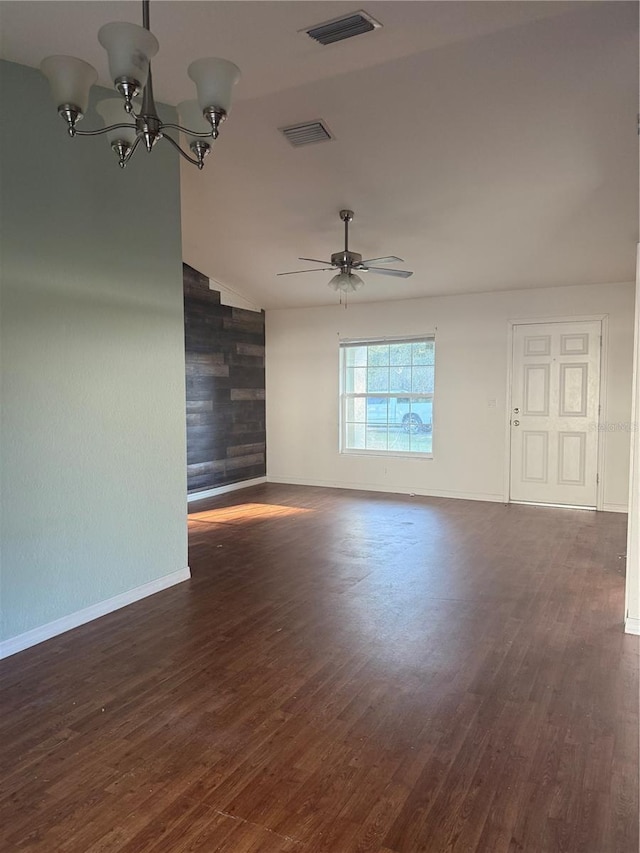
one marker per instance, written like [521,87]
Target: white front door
[554,413]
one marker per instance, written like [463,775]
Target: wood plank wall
[226,439]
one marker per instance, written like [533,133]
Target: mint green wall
[93,476]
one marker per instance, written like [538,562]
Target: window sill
[386,454]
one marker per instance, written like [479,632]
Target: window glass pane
[399,408]
[400,379]
[424,410]
[356,409]
[379,355]
[421,409]
[377,378]
[377,438]
[348,380]
[377,410]
[420,442]
[355,380]
[356,436]
[423,352]
[356,356]
[409,414]
[400,354]
[398,440]
[423,380]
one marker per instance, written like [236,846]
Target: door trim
[603,319]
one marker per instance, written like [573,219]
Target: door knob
[516,423]
[516,410]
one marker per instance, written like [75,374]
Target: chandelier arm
[210,135]
[191,160]
[129,153]
[102,130]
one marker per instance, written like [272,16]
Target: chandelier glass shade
[130,49]
[127,123]
[111,111]
[71,80]
[214,79]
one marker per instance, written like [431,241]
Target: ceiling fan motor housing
[346,259]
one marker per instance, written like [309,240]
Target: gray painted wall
[93,466]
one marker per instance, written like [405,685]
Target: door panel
[535,456]
[555,396]
[536,389]
[571,458]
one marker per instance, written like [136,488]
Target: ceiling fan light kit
[346,261]
[130,50]
[346,282]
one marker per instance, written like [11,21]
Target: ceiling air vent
[343,28]
[307,133]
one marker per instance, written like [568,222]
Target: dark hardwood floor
[347,672]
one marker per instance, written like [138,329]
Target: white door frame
[603,319]
[632,584]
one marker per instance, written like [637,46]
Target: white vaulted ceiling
[492,145]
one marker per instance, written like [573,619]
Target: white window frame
[344,344]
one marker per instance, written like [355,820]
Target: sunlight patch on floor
[246,512]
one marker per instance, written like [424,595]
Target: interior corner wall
[93,476]
[469,434]
[224,350]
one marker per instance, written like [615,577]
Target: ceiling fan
[347,262]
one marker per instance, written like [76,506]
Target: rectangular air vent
[306,133]
[345,27]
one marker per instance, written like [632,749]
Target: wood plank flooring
[347,672]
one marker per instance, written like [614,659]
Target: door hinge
[597,479]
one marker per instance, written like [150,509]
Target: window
[386,395]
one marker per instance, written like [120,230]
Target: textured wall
[93,447]
[225,388]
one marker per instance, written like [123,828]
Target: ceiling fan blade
[314,261]
[390,259]
[295,272]
[384,271]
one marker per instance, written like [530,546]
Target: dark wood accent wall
[226,440]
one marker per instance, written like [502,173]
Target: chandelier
[130,49]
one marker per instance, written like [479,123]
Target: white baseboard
[222,490]
[88,614]
[374,487]
[428,493]
[632,625]
[555,506]
[615,508]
